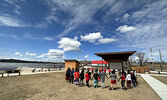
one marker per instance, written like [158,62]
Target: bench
[2,72]
[13,71]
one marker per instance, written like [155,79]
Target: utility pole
[160,59]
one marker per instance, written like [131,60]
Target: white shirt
[128,77]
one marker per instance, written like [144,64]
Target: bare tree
[140,55]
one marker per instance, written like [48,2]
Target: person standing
[95,76]
[113,80]
[87,76]
[102,78]
[72,76]
[76,75]
[109,70]
[81,76]
[123,76]
[68,75]
[128,78]
[133,79]
[92,70]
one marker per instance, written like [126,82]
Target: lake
[11,66]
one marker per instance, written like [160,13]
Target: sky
[54,30]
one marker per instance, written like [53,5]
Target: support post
[160,60]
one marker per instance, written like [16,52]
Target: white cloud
[106,40]
[11,21]
[86,56]
[69,44]
[126,28]
[53,55]
[18,54]
[96,38]
[91,37]
[48,38]
[151,22]
[30,54]
[126,16]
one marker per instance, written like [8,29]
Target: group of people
[100,75]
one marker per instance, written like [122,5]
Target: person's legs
[72,79]
[133,82]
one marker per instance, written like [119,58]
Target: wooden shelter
[72,64]
[115,59]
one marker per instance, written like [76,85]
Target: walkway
[159,87]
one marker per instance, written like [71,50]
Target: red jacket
[76,75]
[87,76]
[123,77]
[92,69]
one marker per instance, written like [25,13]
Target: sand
[161,78]
[52,86]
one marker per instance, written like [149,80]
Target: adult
[68,74]
[102,78]
[72,76]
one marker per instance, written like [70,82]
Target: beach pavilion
[116,60]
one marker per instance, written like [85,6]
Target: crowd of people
[129,77]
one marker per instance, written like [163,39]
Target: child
[92,69]
[102,77]
[82,76]
[87,76]
[95,76]
[133,79]
[128,78]
[76,75]
[113,80]
[67,75]
[109,70]
[123,79]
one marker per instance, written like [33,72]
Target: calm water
[11,66]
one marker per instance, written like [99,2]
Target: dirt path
[52,86]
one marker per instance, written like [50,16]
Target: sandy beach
[52,86]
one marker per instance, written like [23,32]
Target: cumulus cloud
[91,37]
[126,28]
[30,54]
[48,38]
[69,44]
[151,29]
[96,38]
[18,54]
[86,56]
[106,40]
[53,55]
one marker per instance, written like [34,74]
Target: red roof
[99,62]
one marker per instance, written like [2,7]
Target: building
[116,60]
[72,64]
[99,63]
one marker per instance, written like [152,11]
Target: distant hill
[24,61]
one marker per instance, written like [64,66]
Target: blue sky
[53,30]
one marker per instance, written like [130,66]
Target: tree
[140,56]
